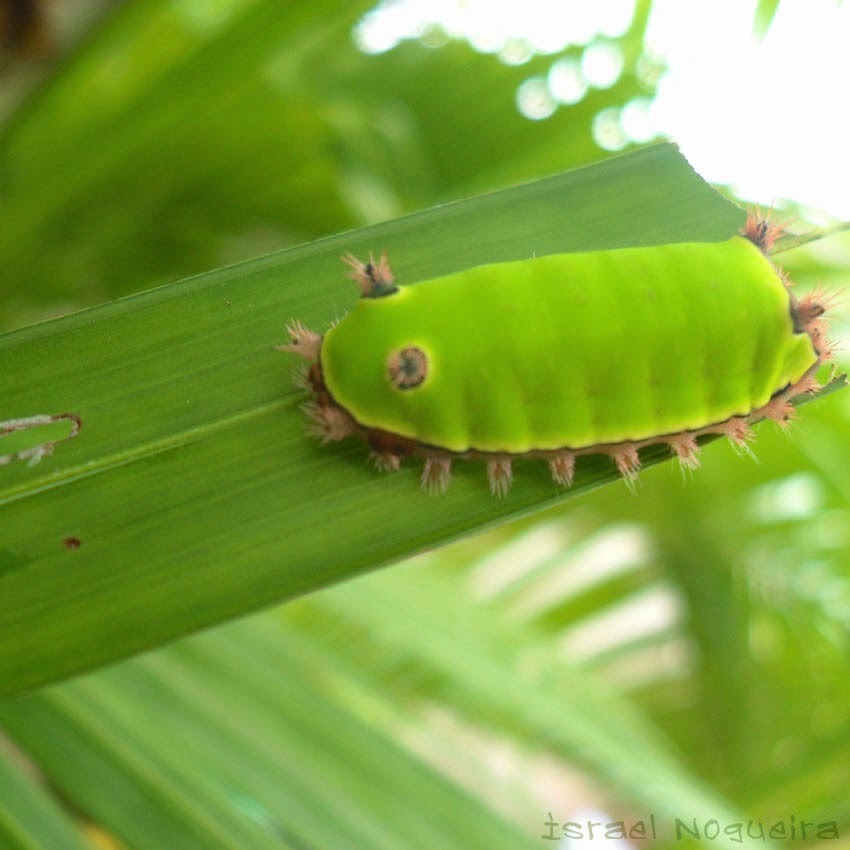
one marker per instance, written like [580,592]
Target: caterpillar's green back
[566,355]
[573,350]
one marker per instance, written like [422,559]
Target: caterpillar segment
[409,370]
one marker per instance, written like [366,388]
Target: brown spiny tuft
[806,312]
[780,410]
[436,474]
[808,315]
[374,279]
[807,384]
[329,423]
[385,461]
[301,379]
[627,459]
[738,430]
[563,467]
[685,447]
[500,475]
[302,341]
[761,232]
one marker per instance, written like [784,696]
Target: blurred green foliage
[704,622]
[184,136]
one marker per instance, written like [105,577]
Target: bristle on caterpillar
[436,473]
[738,430]
[500,475]
[373,278]
[780,410]
[684,447]
[385,461]
[627,460]
[762,232]
[563,467]
[302,341]
[301,378]
[328,423]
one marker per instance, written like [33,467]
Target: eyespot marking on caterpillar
[407,368]
[567,355]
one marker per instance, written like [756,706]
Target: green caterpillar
[566,355]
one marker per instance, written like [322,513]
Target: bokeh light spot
[516,51]
[636,120]
[602,64]
[544,26]
[534,100]
[615,16]
[608,131]
[566,82]
[374,34]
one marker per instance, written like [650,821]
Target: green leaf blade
[192,488]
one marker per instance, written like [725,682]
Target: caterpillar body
[564,355]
